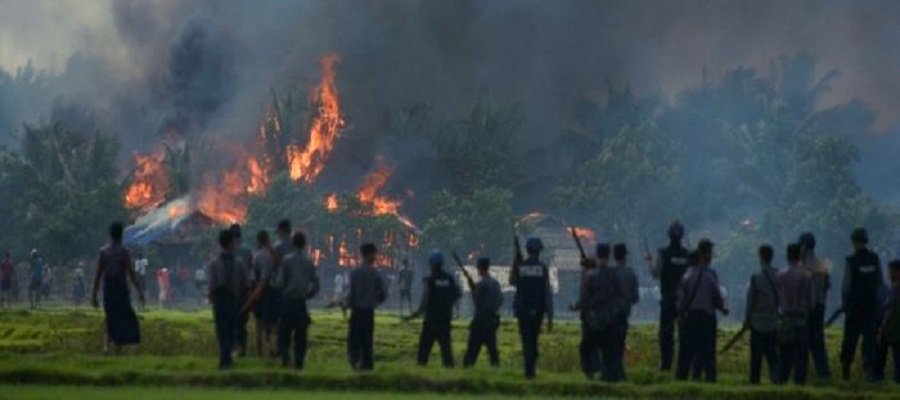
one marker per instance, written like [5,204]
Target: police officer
[246,257]
[439,295]
[628,284]
[862,279]
[761,316]
[796,295]
[533,299]
[487,300]
[367,291]
[226,281]
[699,297]
[600,303]
[821,279]
[589,347]
[671,264]
[298,281]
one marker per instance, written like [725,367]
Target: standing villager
[6,279]
[140,268]
[367,291]
[862,278]
[341,282]
[797,298]
[226,281]
[628,283]
[164,282]
[821,277]
[263,275]
[439,295]
[889,332]
[246,258]
[761,317]
[669,268]
[487,299]
[272,299]
[37,279]
[115,268]
[881,353]
[79,286]
[405,281]
[589,347]
[533,300]
[699,298]
[298,280]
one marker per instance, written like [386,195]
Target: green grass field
[57,354]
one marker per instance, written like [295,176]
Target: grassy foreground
[62,347]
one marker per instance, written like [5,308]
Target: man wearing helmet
[533,300]
[671,264]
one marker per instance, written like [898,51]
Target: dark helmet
[436,259]
[603,250]
[676,230]
[860,235]
[483,262]
[807,240]
[534,245]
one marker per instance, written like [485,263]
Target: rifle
[578,243]
[734,339]
[837,313]
[463,268]
[517,260]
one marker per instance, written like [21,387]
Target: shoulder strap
[774,289]
[690,301]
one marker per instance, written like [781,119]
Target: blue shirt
[37,268]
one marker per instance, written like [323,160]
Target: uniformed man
[797,298]
[862,278]
[227,280]
[272,300]
[263,275]
[818,268]
[600,302]
[487,300]
[761,316]
[298,280]
[246,257]
[628,284]
[367,291]
[589,348]
[699,298]
[670,266]
[533,300]
[405,281]
[439,293]
[889,331]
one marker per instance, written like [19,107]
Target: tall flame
[371,187]
[305,164]
[149,182]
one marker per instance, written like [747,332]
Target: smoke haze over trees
[752,121]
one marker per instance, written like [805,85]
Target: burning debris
[369,192]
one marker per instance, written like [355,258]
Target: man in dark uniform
[487,300]
[226,280]
[246,257]
[862,279]
[699,298]
[589,348]
[671,264]
[404,281]
[367,291]
[534,299]
[796,296]
[630,292]
[440,292]
[298,281]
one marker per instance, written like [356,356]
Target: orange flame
[331,202]
[259,179]
[149,183]
[371,187]
[224,201]
[307,163]
[585,233]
